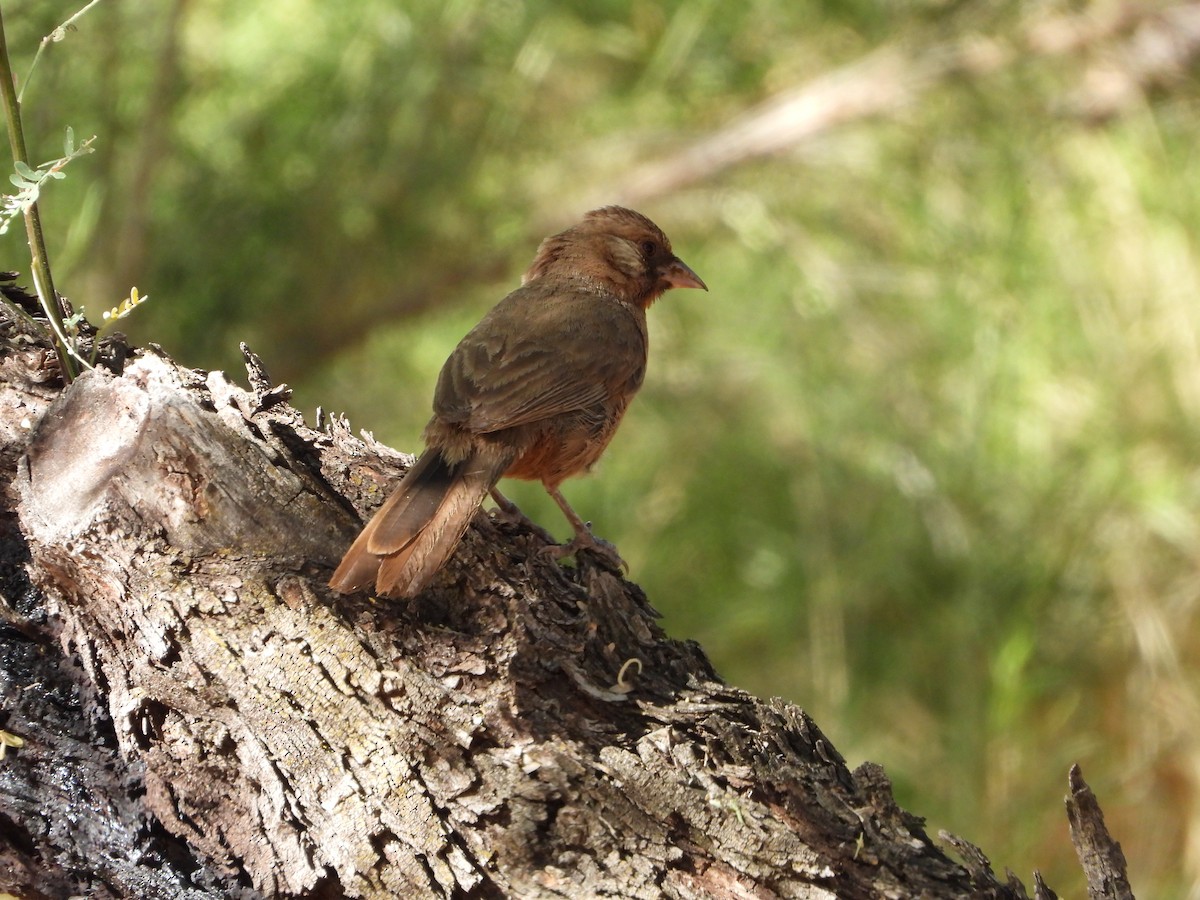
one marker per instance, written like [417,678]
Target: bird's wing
[541,352]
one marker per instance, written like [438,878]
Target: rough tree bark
[201,717]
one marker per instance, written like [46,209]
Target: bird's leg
[507,511]
[584,539]
[507,507]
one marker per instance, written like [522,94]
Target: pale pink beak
[679,274]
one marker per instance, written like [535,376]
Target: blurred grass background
[924,461]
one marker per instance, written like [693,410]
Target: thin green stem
[53,37]
[40,264]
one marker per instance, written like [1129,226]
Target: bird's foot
[585,540]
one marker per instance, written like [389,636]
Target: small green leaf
[69,142]
[25,172]
[18,181]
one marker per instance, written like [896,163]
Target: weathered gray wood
[1102,858]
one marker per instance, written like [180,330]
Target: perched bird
[535,391]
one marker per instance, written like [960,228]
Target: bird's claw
[587,541]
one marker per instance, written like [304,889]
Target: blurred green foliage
[924,461]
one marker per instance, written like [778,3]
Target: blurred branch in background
[1156,44]
[129,245]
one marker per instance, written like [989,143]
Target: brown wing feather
[417,528]
[522,363]
[407,572]
[412,504]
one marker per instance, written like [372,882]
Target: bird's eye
[649,247]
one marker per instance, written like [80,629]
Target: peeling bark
[1101,856]
[204,718]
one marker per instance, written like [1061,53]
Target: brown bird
[535,391]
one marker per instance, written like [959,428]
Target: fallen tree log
[199,716]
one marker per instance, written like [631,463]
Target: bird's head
[619,249]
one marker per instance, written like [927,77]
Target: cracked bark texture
[203,718]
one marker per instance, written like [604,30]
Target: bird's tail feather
[417,529]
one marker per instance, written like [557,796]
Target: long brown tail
[416,530]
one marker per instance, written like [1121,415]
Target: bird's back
[551,370]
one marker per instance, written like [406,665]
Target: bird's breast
[570,444]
